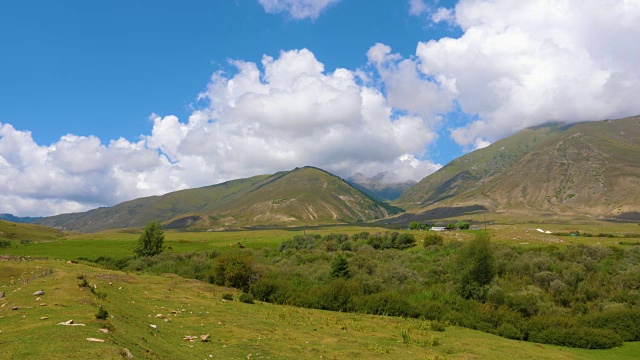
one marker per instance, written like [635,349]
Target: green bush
[625,322]
[227,296]
[246,298]
[102,314]
[509,331]
[234,269]
[585,338]
[433,240]
[475,268]
[5,243]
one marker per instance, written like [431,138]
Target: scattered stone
[106,331]
[190,338]
[15,308]
[44,318]
[1,294]
[205,338]
[3,305]
[95,340]
[155,327]
[167,320]
[39,292]
[159,316]
[70,323]
[38,298]
[69,262]
[127,354]
[174,312]
[43,304]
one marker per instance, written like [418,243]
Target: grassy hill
[586,168]
[301,196]
[17,232]
[237,330]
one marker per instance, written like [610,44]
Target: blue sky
[101,68]
[102,102]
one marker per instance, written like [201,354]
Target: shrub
[585,338]
[404,241]
[234,269]
[102,314]
[433,240]
[5,243]
[227,296]
[509,331]
[246,298]
[475,267]
[437,325]
[340,267]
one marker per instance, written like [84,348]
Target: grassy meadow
[238,330]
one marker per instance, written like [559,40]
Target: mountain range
[299,197]
[584,169]
[590,168]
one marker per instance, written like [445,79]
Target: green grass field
[238,330]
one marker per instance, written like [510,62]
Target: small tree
[414,225]
[475,267]
[463,225]
[151,240]
[340,267]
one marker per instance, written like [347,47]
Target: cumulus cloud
[418,7]
[283,113]
[297,9]
[522,64]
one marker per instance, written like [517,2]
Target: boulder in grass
[205,338]
[95,340]
[39,292]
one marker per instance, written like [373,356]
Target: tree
[340,267]
[462,225]
[414,225]
[475,267]
[151,240]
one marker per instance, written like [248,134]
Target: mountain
[298,197]
[379,186]
[12,218]
[590,168]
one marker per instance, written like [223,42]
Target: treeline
[578,295]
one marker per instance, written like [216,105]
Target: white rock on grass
[95,340]
[39,292]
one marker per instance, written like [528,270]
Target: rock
[106,331]
[155,327]
[1,294]
[43,304]
[39,292]
[44,318]
[15,308]
[159,316]
[205,338]
[38,298]
[127,354]
[167,320]
[70,323]
[95,340]
[190,338]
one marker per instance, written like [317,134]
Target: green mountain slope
[586,168]
[301,196]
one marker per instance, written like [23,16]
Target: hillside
[301,196]
[586,168]
[24,232]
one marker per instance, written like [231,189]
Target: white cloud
[522,64]
[418,7]
[297,9]
[285,113]
[443,15]
[405,87]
